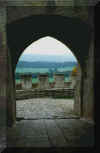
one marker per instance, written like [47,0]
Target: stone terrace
[49,133]
[45,108]
[49,123]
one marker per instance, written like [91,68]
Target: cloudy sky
[48,46]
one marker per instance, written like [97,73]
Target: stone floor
[49,123]
[44,108]
[3,138]
[49,133]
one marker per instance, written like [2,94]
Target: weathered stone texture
[68,133]
[88,95]
[11,101]
[26,81]
[77,103]
[39,93]
[43,81]
[3,52]
[45,108]
[3,79]
[59,80]
[16,12]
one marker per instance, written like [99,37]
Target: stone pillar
[73,81]
[3,80]
[77,94]
[43,81]
[26,81]
[88,96]
[11,95]
[59,80]
[88,88]
[3,67]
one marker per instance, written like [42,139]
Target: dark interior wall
[88,87]
[11,100]
[78,97]
[97,60]
[3,70]
[72,32]
[88,84]
[22,11]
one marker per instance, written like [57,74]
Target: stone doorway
[40,100]
[84,44]
[81,52]
[64,37]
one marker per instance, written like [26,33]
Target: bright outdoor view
[45,80]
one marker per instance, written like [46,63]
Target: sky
[48,46]
[47,49]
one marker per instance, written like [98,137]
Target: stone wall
[88,95]
[59,80]
[11,100]
[51,93]
[26,81]
[88,107]
[61,7]
[73,81]
[16,11]
[3,79]
[43,81]
[78,88]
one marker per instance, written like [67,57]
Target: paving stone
[77,132]
[37,141]
[59,132]
[44,108]
[3,138]
[51,133]
[29,142]
[55,134]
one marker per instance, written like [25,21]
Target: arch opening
[68,37]
[75,27]
[47,68]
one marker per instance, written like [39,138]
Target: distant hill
[41,64]
[46,58]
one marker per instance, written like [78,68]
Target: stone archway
[43,88]
[71,31]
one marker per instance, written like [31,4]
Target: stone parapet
[53,93]
[26,81]
[59,80]
[43,81]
